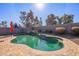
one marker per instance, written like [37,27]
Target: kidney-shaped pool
[44,43]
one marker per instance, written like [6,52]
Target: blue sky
[11,11]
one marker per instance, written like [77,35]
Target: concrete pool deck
[9,49]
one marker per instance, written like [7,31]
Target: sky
[11,11]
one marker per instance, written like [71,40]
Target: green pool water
[39,42]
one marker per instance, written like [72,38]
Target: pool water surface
[39,42]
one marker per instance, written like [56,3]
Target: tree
[67,19]
[15,25]
[41,21]
[51,20]
[59,20]
[29,20]
[23,17]
[3,24]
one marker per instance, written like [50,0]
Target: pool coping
[70,48]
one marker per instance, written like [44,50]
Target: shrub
[48,31]
[60,30]
[75,30]
[39,31]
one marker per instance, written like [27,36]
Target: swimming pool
[43,43]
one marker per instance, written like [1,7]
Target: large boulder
[75,30]
[60,30]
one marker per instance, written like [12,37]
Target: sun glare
[40,6]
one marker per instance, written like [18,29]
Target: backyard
[36,33]
[71,48]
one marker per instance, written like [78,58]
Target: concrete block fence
[21,31]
